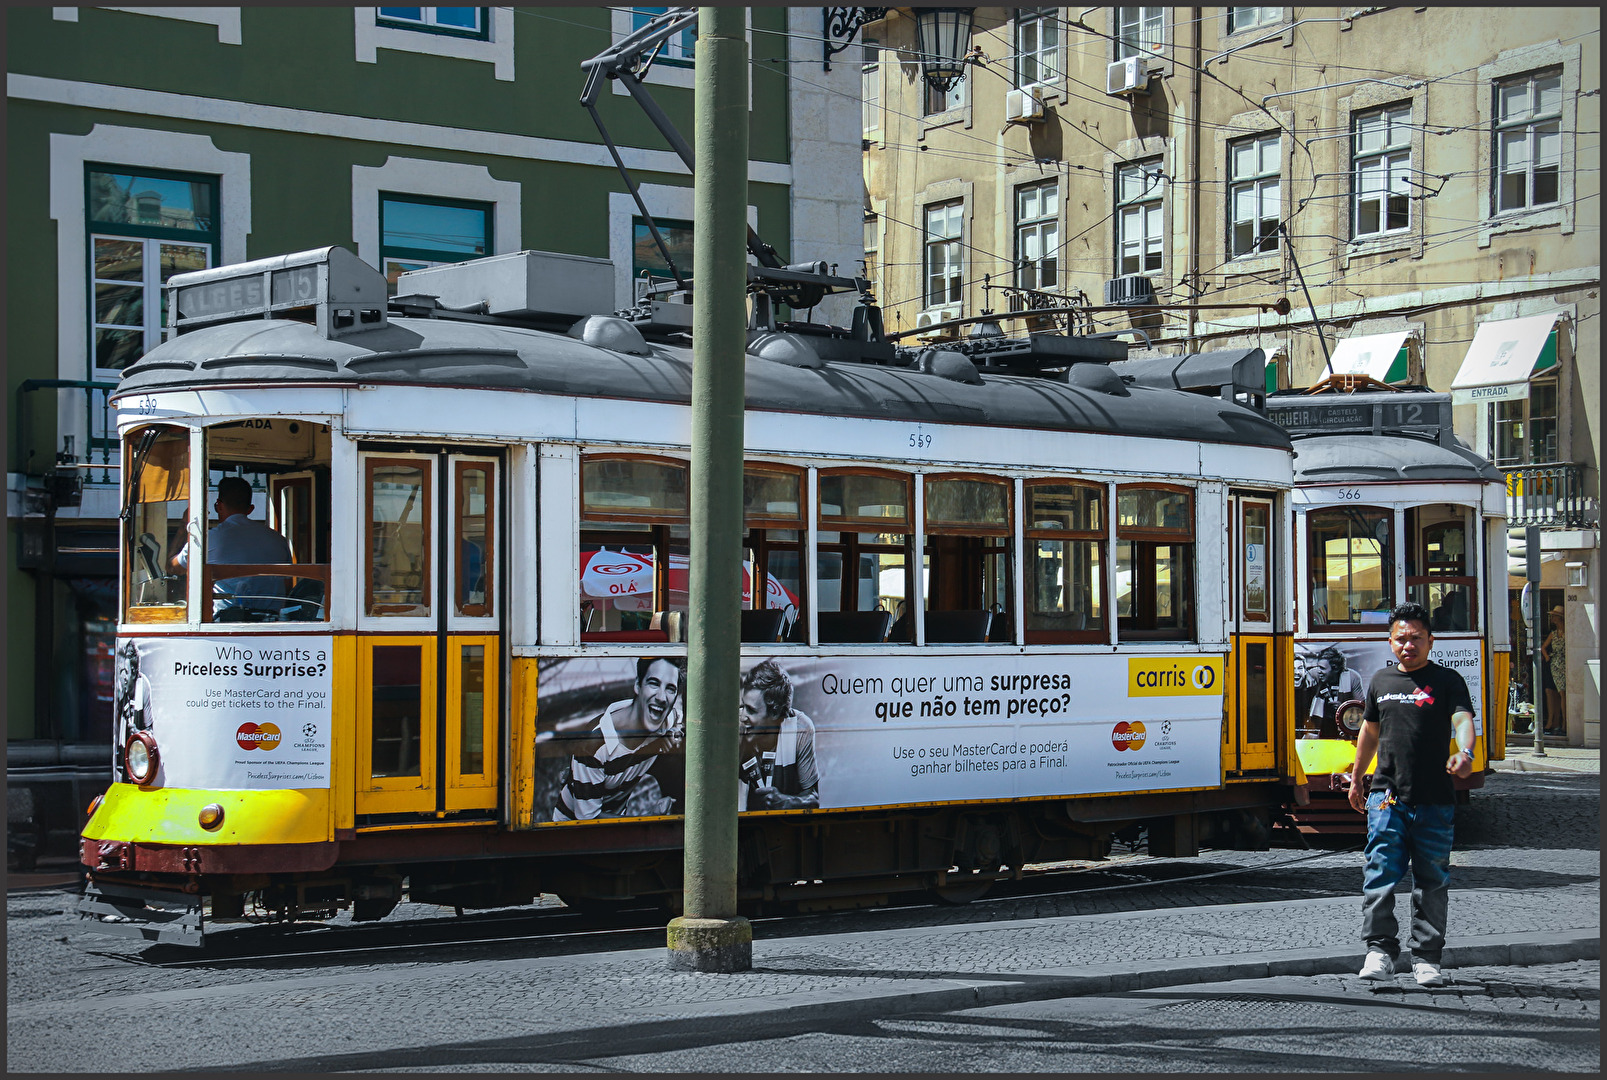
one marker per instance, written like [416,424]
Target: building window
[1253,195]
[945,271]
[1246,18]
[870,87]
[469,22]
[1037,235]
[144,227]
[418,232]
[1528,140]
[1037,46]
[935,101]
[1140,31]
[1523,431]
[679,50]
[647,261]
[1381,149]
[873,230]
[1139,235]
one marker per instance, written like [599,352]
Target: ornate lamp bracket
[840,24]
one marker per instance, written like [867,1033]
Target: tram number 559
[920,441]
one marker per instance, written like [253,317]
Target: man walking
[1413,707]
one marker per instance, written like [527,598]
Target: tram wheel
[960,890]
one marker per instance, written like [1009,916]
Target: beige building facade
[1407,175]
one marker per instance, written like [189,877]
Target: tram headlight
[211,816]
[1350,716]
[141,758]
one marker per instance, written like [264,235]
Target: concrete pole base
[718,945]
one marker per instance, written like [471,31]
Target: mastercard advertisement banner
[246,713]
[845,732]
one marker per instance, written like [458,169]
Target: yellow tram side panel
[164,815]
[1499,664]
[522,742]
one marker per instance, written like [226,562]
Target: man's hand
[1358,795]
[1460,764]
[768,798]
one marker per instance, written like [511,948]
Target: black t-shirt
[1413,712]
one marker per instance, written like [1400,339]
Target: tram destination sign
[1335,416]
[249,294]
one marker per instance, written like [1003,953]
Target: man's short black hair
[645,664]
[235,491]
[1410,612]
[774,685]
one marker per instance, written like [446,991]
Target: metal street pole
[709,935]
[1537,636]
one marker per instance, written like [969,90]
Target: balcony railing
[1551,496]
[99,461]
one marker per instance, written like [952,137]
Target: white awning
[1372,356]
[1501,359]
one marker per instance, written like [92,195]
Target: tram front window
[1065,576]
[864,577]
[1352,567]
[967,560]
[1438,565]
[1155,562]
[157,497]
[268,485]
[633,549]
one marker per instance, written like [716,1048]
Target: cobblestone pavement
[1527,862]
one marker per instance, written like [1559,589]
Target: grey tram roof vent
[329,287]
[1100,378]
[948,364]
[534,286]
[613,334]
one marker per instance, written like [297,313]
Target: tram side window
[633,549]
[772,572]
[1065,562]
[1439,565]
[1155,562]
[967,560]
[268,485]
[157,500]
[863,555]
[1350,551]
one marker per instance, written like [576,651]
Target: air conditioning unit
[932,316]
[1129,76]
[1129,292]
[1023,106]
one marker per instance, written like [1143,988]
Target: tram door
[1254,678]
[429,651]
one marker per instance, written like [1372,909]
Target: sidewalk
[1522,758]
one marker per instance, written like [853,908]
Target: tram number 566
[1350,495]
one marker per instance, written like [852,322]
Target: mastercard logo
[1128,735]
[257,736]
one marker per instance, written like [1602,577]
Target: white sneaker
[1428,974]
[1378,968]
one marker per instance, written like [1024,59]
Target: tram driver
[238,538]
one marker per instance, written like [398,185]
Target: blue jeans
[1397,836]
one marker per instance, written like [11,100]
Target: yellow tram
[1001,603]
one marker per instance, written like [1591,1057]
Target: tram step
[168,919]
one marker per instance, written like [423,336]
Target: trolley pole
[710,936]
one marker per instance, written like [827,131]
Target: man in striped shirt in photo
[621,748]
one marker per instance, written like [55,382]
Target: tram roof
[468,355]
[1340,459]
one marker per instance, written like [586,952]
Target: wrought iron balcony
[1551,496]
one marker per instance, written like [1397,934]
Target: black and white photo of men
[608,763]
[132,701]
[777,752]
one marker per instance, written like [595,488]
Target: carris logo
[1128,735]
[257,736]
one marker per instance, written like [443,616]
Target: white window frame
[1042,227]
[870,87]
[1033,22]
[622,24]
[1260,17]
[1257,183]
[496,49]
[430,22]
[150,282]
[1146,26]
[943,253]
[226,19]
[432,179]
[1145,209]
[663,201]
[1532,124]
[1390,162]
[1524,408]
[1513,62]
[953,100]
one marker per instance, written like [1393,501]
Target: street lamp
[943,36]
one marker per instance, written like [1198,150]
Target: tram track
[561,930]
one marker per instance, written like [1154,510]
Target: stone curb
[1526,765]
[1510,950]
